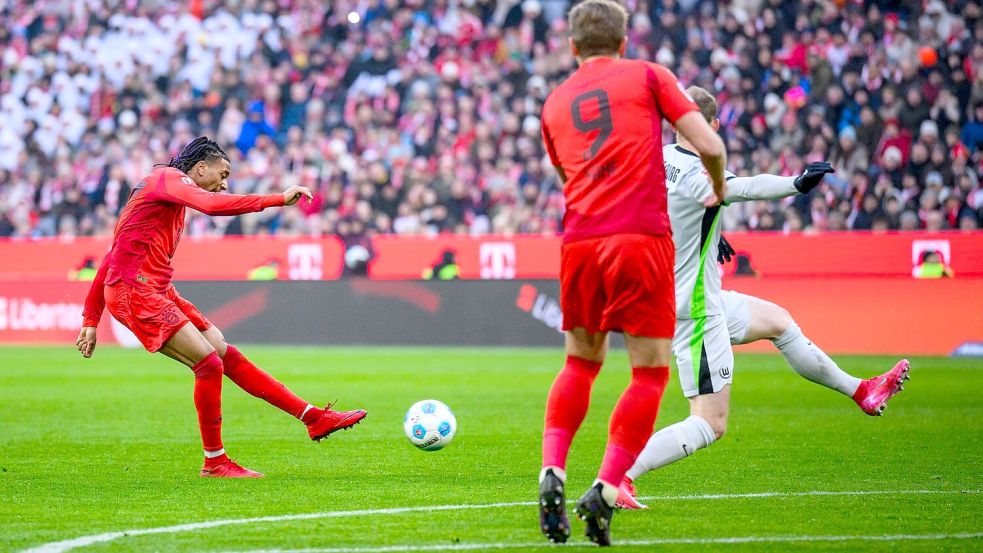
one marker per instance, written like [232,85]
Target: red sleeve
[672,99]
[549,145]
[95,302]
[180,189]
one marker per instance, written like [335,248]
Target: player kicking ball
[602,130]
[134,282]
[709,321]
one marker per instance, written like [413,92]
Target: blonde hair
[598,27]
[705,101]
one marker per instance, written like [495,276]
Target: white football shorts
[738,315]
[703,354]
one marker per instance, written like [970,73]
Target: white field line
[83,541]
[622,543]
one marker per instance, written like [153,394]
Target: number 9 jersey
[603,128]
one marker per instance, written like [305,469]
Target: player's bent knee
[216,339]
[648,352]
[719,426]
[776,321]
[187,346]
[592,347]
[717,422]
[713,408]
[783,320]
[214,331]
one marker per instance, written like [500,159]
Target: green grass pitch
[111,444]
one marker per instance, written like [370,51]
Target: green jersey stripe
[698,310]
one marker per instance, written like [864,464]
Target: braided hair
[199,149]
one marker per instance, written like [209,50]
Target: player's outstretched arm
[95,302]
[759,187]
[773,187]
[190,195]
[710,147]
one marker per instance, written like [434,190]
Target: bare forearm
[715,165]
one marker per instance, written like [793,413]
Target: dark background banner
[845,315]
[362,311]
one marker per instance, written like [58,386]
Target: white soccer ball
[430,425]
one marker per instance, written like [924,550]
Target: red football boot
[873,394]
[626,496]
[333,421]
[228,469]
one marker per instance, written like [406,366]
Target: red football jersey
[150,227]
[603,127]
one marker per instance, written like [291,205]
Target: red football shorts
[154,317]
[621,283]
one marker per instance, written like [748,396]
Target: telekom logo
[306,261]
[497,260]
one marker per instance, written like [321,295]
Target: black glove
[724,251]
[812,176]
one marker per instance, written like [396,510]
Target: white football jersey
[695,232]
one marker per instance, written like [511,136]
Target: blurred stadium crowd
[421,116]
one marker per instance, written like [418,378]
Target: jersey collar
[682,150]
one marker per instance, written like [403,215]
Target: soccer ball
[430,425]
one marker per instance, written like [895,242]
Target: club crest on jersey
[169,317]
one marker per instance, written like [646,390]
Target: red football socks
[632,421]
[208,400]
[566,408]
[259,383]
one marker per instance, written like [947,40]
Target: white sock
[306,409]
[214,454]
[560,473]
[812,364]
[672,443]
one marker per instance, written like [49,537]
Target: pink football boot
[626,496]
[873,394]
